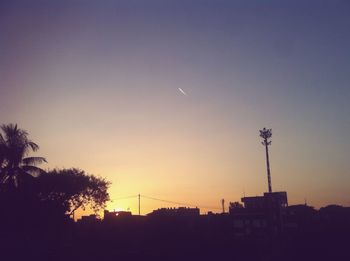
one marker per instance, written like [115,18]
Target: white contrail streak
[182,91]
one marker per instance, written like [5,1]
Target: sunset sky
[166,98]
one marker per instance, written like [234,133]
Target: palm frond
[32,170]
[11,130]
[14,147]
[2,140]
[33,145]
[2,152]
[33,160]
[3,177]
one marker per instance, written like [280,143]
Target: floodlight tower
[266,134]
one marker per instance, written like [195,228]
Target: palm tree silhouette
[15,167]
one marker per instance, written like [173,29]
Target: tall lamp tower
[266,135]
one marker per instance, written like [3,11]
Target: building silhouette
[175,212]
[115,215]
[260,214]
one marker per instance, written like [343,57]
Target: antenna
[223,205]
[139,204]
[266,134]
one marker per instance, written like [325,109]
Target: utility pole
[139,196]
[223,205]
[266,134]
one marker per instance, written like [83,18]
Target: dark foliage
[15,167]
[70,189]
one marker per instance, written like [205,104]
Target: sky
[166,98]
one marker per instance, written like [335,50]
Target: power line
[121,198]
[179,203]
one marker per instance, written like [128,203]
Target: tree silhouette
[69,189]
[15,166]
[234,206]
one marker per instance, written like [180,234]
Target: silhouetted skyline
[96,83]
